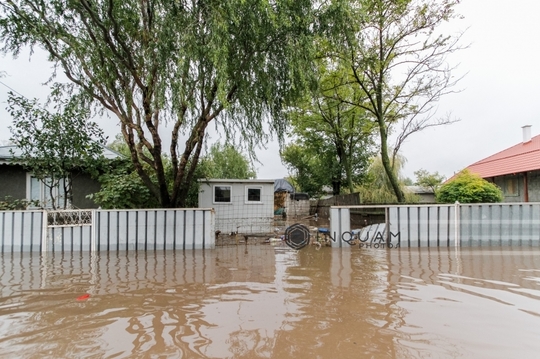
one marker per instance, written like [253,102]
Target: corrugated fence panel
[154,229]
[109,230]
[20,231]
[340,222]
[500,224]
[422,226]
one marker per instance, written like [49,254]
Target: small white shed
[242,206]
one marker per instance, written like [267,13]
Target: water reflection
[265,302]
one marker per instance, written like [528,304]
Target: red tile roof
[522,157]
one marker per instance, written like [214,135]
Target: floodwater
[260,301]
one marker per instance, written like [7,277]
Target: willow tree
[168,69]
[398,57]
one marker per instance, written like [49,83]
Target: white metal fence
[437,225]
[106,230]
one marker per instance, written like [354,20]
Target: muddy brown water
[263,301]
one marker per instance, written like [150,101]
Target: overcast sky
[500,92]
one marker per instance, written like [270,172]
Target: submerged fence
[106,230]
[437,225]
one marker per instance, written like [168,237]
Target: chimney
[526,133]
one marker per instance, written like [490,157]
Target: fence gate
[67,230]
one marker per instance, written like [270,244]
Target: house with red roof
[515,170]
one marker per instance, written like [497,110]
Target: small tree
[429,180]
[54,145]
[225,161]
[467,187]
[309,169]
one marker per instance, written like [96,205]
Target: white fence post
[456,224]
[44,232]
[340,222]
[93,229]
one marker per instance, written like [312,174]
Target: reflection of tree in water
[343,307]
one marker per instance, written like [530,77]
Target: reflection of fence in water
[124,272]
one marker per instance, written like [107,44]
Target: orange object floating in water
[83,297]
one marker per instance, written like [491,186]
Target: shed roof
[523,157]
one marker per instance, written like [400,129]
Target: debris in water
[83,297]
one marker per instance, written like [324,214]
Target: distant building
[425,195]
[19,184]
[516,170]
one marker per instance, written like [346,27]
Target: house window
[253,194]
[511,187]
[40,191]
[222,194]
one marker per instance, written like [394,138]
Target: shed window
[253,194]
[222,194]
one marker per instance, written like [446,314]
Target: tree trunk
[388,168]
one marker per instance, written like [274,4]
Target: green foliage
[186,63]
[121,187]
[429,180]
[309,168]
[226,162]
[467,187]
[333,137]
[11,204]
[54,144]
[377,189]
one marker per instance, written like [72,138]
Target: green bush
[467,187]
[11,204]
